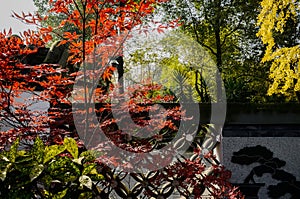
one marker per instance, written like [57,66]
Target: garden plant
[55,152]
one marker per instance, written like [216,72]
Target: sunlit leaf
[52,151]
[38,150]
[13,151]
[86,181]
[4,171]
[71,146]
[60,195]
[36,171]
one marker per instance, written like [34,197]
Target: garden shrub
[55,171]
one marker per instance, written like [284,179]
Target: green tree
[177,62]
[227,29]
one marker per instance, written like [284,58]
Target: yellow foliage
[284,61]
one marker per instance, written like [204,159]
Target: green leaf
[78,161]
[21,153]
[52,151]
[86,181]
[62,168]
[71,146]
[4,158]
[97,177]
[3,172]
[90,155]
[38,150]
[36,171]
[23,158]
[13,150]
[89,169]
[46,193]
[85,195]
[60,195]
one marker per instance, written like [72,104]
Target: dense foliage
[56,171]
[44,150]
[279,30]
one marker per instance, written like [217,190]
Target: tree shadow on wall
[271,165]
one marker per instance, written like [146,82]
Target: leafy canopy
[275,18]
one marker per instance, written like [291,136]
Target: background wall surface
[261,144]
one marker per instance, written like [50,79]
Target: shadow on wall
[267,164]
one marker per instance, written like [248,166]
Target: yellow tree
[276,19]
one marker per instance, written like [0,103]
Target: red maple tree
[92,42]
